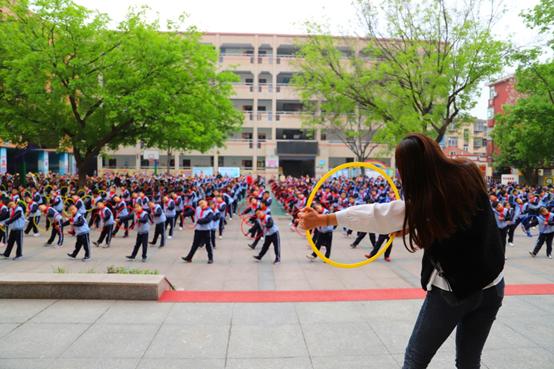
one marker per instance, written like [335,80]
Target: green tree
[69,81]
[525,133]
[420,71]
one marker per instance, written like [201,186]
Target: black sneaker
[532,253]
[257,257]
[71,255]
[278,261]
[161,246]
[17,257]
[96,243]
[152,243]
[144,260]
[353,245]
[86,258]
[253,247]
[186,260]
[210,261]
[129,257]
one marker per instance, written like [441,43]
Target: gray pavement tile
[189,341]
[40,340]
[113,341]
[373,361]
[405,310]
[19,311]
[536,328]
[503,336]
[518,358]
[135,312]
[266,314]
[97,363]
[280,363]
[25,363]
[442,359]
[181,364]
[6,328]
[329,312]
[513,306]
[266,342]
[543,302]
[72,311]
[337,339]
[200,314]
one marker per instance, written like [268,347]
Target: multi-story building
[273,139]
[469,141]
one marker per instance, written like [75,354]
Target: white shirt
[387,218]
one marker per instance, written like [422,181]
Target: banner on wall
[43,163]
[272,161]
[64,163]
[206,171]
[232,172]
[3,160]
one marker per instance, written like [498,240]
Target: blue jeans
[441,313]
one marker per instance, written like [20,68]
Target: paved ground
[120,335]
[234,268]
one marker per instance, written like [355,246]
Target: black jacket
[471,258]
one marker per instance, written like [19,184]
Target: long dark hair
[441,194]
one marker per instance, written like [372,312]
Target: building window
[490,113]
[171,162]
[112,163]
[186,163]
[466,136]
[453,141]
[144,163]
[247,164]
[466,147]
[492,92]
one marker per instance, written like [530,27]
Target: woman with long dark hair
[447,214]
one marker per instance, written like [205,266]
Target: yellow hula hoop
[65,202]
[311,199]
[90,197]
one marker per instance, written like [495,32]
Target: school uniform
[222,207]
[158,216]
[33,219]
[107,229]
[56,221]
[82,231]
[143,227]
[201,234]
[271,236]
[15,224]
[502,222]
[4,215]
[214,225]
[123,217]
[546,234]
[324,238]
[170,214]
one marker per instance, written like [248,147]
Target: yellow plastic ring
[311,199]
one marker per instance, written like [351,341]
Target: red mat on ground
[329,295]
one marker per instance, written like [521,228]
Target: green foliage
[124,270]
[525,133]
[418,73]
[59,270]
[68,81]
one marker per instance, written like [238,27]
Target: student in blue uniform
[324,235]
[15,223]
[214,224]
[143,227]
[107,219]
[4,215]
[170,213]
[158,217]
[82,231]
[203,218]
[55,219]
[271,236]
[546,232]
[33,217]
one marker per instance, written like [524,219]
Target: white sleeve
[374,218]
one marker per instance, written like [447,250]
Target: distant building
[469,141]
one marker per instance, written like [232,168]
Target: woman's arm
[375,218]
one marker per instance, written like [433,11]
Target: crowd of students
[119,204]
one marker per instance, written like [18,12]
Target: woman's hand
[309,219]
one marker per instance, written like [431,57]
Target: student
[324,236]
[107,219]
[271,236]
[214,224]
[158,217]
[82,231]
[123,216]
[222,207]
[381,239]
[4,215]
[170,213]
[203,218]
[143,227]
[15,223]
[447,214]
[55,219]
[546,233]
[33,217]
[502,221]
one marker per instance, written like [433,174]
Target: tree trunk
[531,176]
[85,166]
[361,159]
[168,170]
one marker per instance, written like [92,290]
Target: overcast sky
[289,17]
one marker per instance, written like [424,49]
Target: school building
[272,140]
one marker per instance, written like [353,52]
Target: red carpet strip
[329,295]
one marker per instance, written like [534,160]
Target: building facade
[272,140]
[469,141]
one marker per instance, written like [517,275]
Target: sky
[290,16]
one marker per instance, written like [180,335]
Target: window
[247,164]
[466,136]
[144,163]
[490,113]
[220,161]
[492,92]
[453,141]
[261,163]
[186,163]
[323,136]
[466,147]
[171,162]
[112,163]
